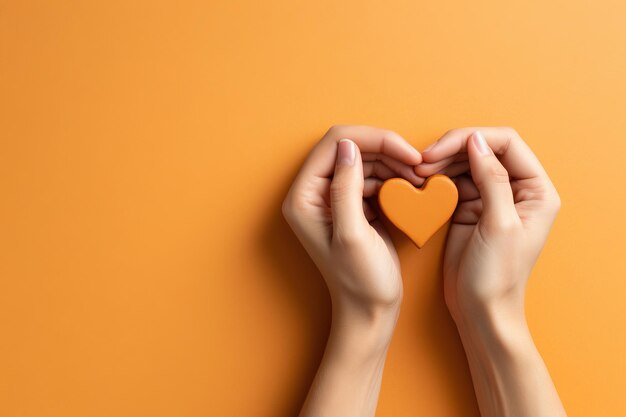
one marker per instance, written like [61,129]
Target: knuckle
[498,173]
[510,132]
[335,130]
[389,134]
[292,205]
[287,208]
[525,195]
[338,189]
[554,202]
[557,201]
[549,196]
[510,136]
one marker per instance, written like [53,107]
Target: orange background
[146,146]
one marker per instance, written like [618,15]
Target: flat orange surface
[146,146]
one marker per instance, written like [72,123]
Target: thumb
[491,179]
[346,192]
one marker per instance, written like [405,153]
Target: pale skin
[507,205]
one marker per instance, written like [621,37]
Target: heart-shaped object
[419,212]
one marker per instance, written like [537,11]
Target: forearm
[349,377]
[510,377]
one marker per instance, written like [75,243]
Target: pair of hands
[507,205]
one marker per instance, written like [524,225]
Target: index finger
[515,155]
[321,160]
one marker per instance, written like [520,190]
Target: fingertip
[472,150]
[413,156]
[418,156]
[427,152]
[396,146]
[416,179]
[430,156]
[427,169]
[421,170]
[420,181]
[346,152]
[480,144]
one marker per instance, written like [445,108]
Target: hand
[506,208]
[331,208]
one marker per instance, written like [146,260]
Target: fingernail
[430,147]
[481,144]
[346,152]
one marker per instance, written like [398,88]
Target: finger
[468,212]
[371,156]
[321,160]
[371,187]
[426,169]
[346,192]
[455,169]
[400,169]
[377,169]
[467,189]
[491,179]
[513,152]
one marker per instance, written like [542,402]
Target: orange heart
[419,212]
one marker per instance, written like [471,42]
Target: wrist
[367,330]
[365,311]
[493,314]
[499,330]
